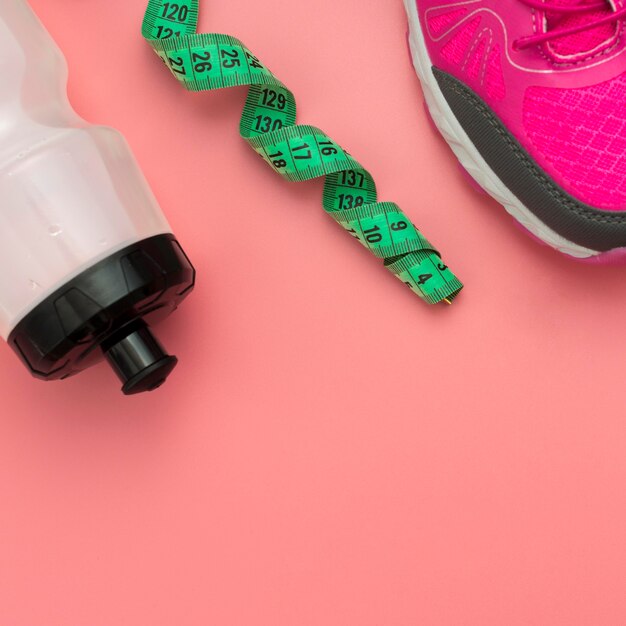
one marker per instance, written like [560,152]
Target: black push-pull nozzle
[139,359]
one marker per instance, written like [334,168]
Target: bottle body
[87,259]
[71,194]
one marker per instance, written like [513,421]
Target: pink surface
[331,451]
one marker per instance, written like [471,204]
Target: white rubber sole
[466,152]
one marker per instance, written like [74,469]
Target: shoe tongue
[582,42]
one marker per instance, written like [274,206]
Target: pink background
[330,451]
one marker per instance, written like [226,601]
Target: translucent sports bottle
[88,260]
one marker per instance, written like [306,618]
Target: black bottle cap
[139,359]
[107,311]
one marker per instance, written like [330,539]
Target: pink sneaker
[531,96]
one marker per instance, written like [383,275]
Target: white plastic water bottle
[88,259]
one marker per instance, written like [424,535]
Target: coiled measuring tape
[203,62]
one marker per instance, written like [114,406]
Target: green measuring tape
[203,62]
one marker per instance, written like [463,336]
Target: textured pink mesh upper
[438,24]
[494,79]
[475,59]
[468,49]
[585,41]
[456,49]
[582,132]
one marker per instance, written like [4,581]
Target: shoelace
[557,33]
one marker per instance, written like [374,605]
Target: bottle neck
[34,75]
